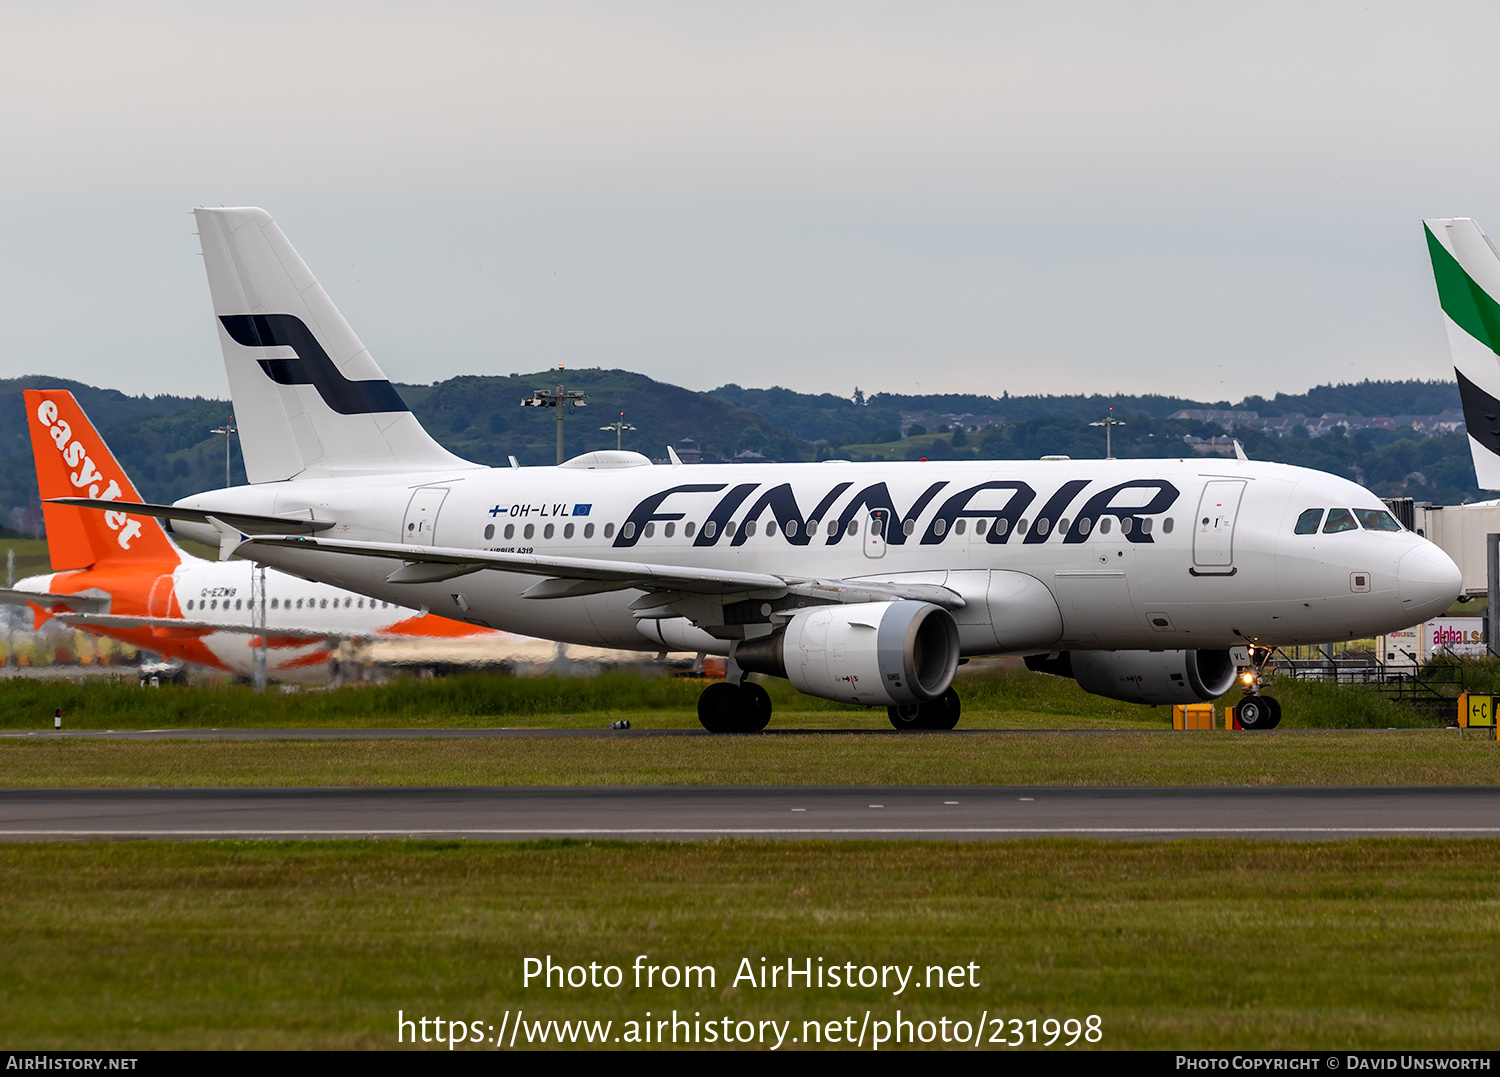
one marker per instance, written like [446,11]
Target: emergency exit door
[1213,534]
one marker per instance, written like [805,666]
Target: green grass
[1194,944]
[992,700]
[1336,758]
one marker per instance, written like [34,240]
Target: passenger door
[420,526]
[1213,530]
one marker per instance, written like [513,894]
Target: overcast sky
[1202,199]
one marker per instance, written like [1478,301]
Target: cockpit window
[1307,523]
[1377,520]
[1339,520]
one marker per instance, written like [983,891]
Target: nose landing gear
[1255,710]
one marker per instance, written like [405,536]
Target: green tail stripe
[1464,301]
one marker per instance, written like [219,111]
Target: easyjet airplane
[118,574]
[1153,581]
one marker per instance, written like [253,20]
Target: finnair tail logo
[87,477]
[310,365]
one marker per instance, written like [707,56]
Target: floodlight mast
[618,426]
[1109,422]
[228,430]
[559,399]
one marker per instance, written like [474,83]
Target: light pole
[618,426]
[556,398]
[1109,422]
[228,430]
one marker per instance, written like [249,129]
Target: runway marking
[698,831]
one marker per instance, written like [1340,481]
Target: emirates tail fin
[72,460]
[1466,267]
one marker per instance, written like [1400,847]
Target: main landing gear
[734,708]
[940,713]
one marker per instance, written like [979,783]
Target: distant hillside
[481,419]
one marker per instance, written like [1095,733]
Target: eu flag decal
[582,510]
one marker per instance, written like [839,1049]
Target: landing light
[1247,677]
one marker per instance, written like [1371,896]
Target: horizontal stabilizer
[246,522]
[112,620]
[76,603]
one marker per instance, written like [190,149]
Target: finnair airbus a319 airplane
[1151,581]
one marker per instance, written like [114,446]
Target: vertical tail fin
[73,461]
[308,397]
[1467,269]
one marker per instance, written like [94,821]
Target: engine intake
[1144,676]
[879,654]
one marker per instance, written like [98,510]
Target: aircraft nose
[1428,580]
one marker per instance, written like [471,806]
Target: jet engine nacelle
[1144,676]
[879,654]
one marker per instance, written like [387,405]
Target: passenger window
[1377,520]
[567,531]
[547,531]
[1339,520]
[510,531]
[688,529]
[1307,523]
[1105,523]
[609,530]
[1166,526]
[588,531]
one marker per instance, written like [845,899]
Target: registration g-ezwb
[1153,581]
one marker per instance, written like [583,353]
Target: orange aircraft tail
[73,461]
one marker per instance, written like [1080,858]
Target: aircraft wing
[75,603]
[567,577]
[248,523]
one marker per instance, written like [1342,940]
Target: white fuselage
[1210,559]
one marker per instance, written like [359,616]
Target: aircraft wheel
[729,708]
[940,713]
[1258,712]
[759,711]
[906,716]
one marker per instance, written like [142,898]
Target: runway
[692,813]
